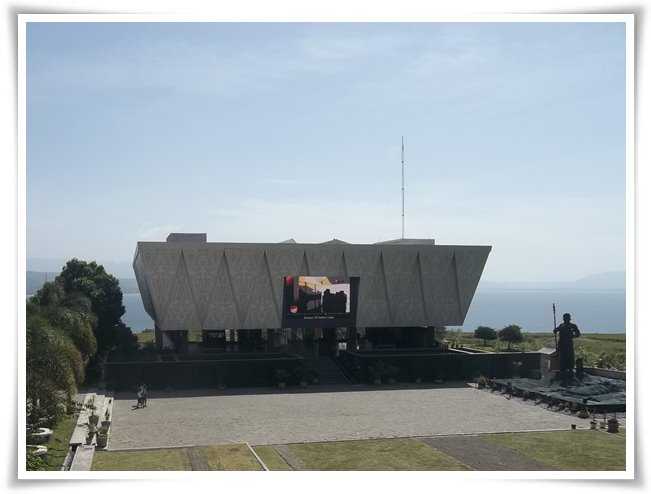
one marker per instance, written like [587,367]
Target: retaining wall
[209,371]
[449,365]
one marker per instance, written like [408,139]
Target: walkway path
[281,417]
[289,457]
[479,454]
[197,460]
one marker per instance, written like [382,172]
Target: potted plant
[281,376]
[613,424]
[481,382]
[93,419]
[378,371]
[593,423]
[300,374]
[313,376]
[102,437]
[91,433]
[102,440]
[107,419]
[392,372]
[90,406]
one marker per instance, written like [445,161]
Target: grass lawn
[569,450]
[146,336]
[271,458]
[589,346]
[381,454]
[230,457]
[154,459]
[221,457]
[57,446]
[564,450]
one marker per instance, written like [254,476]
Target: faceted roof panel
[239,286]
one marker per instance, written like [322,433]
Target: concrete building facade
[188,283]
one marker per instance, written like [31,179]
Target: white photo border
[631,278]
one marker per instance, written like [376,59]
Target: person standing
[139,396]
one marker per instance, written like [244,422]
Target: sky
[514,138]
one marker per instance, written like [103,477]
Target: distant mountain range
[610,280]
[35,280]
[119,269]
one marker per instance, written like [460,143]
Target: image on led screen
[318,298]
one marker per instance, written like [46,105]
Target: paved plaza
[277,417]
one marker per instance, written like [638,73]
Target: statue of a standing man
[567,331]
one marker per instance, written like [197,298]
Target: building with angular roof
[237,292]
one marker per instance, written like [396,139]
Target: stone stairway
[103,403]
[329,371]
[82,453]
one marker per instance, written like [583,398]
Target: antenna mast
[402,160]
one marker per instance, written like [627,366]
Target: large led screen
[319,301]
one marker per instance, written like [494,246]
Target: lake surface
[135,316]
[593,311]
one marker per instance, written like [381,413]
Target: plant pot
[37,450]
[593,425]
[93,419]
[613,425]
[102,439]
[106,424]
[40,436]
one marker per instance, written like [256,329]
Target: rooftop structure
[188,283]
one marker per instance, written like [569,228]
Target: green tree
[55,367]
[485,333]
[103,291]
[511,334]
[71,313]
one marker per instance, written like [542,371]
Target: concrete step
[80,432]
[83,459]
[329,372]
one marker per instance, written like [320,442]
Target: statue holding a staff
[566,332]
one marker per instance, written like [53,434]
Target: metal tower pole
[402,159]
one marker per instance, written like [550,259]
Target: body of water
[135,316]
[593,311]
